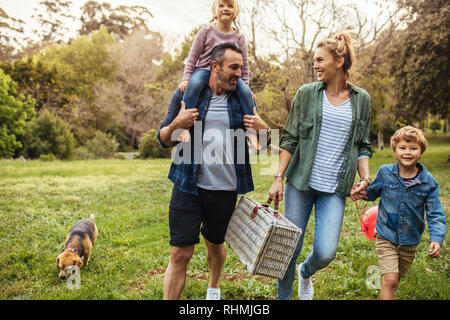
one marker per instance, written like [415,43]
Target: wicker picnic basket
[262,239]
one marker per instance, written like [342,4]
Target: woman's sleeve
[289,135]
[365,146]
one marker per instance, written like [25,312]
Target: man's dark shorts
[209,212]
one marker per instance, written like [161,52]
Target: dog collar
[73,250]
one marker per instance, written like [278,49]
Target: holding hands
[359,191]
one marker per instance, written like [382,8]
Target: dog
[78,244]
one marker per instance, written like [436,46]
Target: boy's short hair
[409,134]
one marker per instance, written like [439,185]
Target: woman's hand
[359,191]
[276,190]
[183,85]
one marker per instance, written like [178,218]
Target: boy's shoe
[213,294]
[305,287]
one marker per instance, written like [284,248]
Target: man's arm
[177,118]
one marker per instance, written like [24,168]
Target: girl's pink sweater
[205,40]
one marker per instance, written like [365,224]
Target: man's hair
[409,134]
[218,51]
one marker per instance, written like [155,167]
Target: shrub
[82,153]
[102,145]
[149,147]
[49,134]
[47,157]
[121,156]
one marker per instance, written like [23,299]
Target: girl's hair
[215,8]
[340,45]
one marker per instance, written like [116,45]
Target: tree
[81,66]
[11,30]
[131,94]
[83,62]
[15,113]
[297,28]
[435,126]
[120,21]
[55,19]
[38,80]
[421,61]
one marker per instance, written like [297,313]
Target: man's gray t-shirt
[217,171]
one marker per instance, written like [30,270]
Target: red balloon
[368,222]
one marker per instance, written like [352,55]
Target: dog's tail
[92,217]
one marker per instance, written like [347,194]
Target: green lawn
[40,201]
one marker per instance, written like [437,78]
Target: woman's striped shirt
[333,137]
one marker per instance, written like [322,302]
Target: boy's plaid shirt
[184,175]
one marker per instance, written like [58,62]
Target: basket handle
[267,205]
[255,211]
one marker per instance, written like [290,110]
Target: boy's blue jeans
[200,78]
[329,212]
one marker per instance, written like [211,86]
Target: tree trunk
[380,140]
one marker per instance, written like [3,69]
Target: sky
[171,17]
[174,19]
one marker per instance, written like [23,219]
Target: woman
[325,140]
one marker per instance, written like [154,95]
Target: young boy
[406,189]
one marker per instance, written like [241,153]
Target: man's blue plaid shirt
[184,175]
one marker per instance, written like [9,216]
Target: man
[205,192]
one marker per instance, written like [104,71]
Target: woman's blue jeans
[199,79]
[329,212]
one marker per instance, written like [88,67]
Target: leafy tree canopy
[15,113]
[421,58]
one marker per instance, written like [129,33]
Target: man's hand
[434,250]
[185,118]
[254,122]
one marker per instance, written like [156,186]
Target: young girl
[197,70]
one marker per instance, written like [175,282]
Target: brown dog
[78,244]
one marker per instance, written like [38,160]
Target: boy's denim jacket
[401,209]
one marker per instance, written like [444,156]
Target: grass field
[40,201]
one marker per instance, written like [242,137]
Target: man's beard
[227,83]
